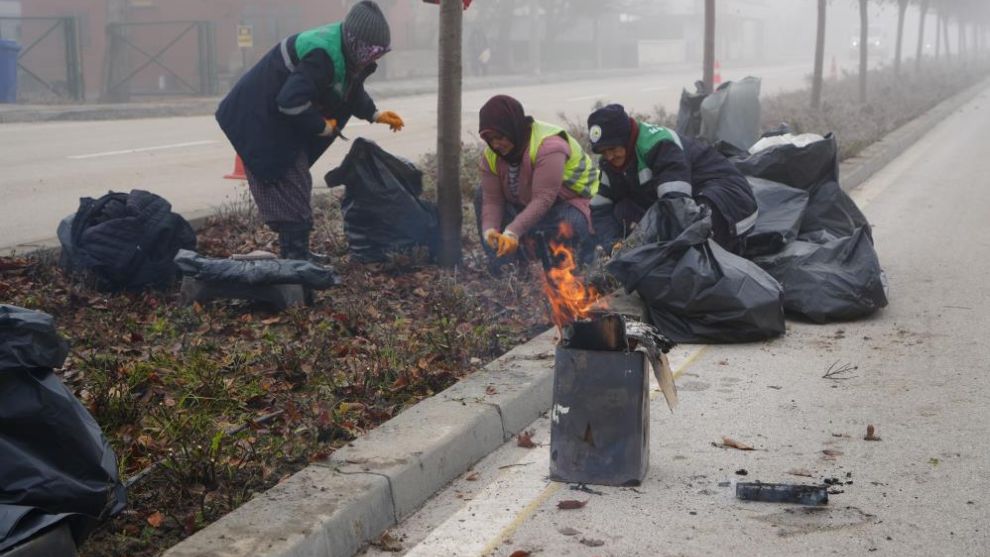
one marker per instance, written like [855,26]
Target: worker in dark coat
[641,163]
[287,109]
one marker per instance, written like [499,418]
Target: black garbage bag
[256,272]
[689,112]
[814,168]
[54,461]
[124,241]
[779,221]
[695,290]
[732,113]
[802,167]
[833,279]
[382,210]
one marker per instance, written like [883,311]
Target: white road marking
[143,149]
[587,97]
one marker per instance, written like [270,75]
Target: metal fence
[49,65]
[160,59]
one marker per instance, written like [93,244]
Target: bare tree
[449,132]
[816,80]
[921,34]
[708,64]
[901,11]
[864,20]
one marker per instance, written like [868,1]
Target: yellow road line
[554,487]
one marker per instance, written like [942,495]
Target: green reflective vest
[649,136]
[580,173]
[329,39]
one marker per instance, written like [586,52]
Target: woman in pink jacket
[534,177]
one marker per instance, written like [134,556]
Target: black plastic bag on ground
[732,113]
[689,112]
[813,167]
[124,241]
[779,221]
[256,272]
[836,280]
[696,291]
[54,459]
[382,210]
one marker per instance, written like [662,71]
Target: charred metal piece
[782,493]
[601,331]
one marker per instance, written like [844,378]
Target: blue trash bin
[8,70]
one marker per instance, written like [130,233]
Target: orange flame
[569,298]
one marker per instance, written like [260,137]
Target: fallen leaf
[871,434]
[420,292]
[525,440]
[801,472]
[830,454]
[271,320]
[519,553]
[155,519]
[491,390]
[473,477]
[568,531]
[592,543]
[387,542]
[733,444]
[571,504]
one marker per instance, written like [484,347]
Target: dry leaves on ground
[871,434]
[731,443]
[571,504]
[525,439]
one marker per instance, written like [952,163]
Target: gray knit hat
[366,32]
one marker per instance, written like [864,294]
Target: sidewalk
[337,506]
[203,106]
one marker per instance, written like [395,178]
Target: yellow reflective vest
[580,173]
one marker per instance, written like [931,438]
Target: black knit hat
[609,126]
[366,23]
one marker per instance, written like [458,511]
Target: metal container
[600,428]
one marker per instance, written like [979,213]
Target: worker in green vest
[643,162]
[287,109]
[535,180]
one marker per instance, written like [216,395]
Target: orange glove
[392,119]
[508,243]
[330,128]
[491,238]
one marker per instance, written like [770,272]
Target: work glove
[508,243]
[388,117]
[330,127]
[491,238]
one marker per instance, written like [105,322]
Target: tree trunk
[921,36]
[449,132]
[709,55]
[864,20]
[901,9]
[938,35]
[535,36]
[945,37]
[816,82]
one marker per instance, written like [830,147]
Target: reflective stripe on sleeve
[284,47]
[674,187]
[600,201]
[296,110]
[747,223]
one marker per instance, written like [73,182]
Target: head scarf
[504,115]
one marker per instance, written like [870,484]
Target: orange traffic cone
[833,74]
[238,173]
[717,79]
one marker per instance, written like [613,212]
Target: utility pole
[709,55]
[449,132]
[816,83]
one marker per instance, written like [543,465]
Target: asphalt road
[920,377]
[47,167]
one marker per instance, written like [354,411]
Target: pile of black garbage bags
[55,464]
[811,254]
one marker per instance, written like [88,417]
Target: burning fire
[569,298]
